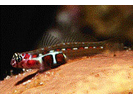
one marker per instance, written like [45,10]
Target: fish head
[16,59]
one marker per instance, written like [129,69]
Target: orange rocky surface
[99,74]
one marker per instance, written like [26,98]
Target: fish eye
[17,57]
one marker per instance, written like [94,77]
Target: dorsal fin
[52,37]
[55,36]
[77,37]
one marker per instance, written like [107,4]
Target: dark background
[21,27]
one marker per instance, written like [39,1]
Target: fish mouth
[13,63]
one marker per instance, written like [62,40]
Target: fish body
[55,55]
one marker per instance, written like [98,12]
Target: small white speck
[47,72]
[15,91]
[40,54]
[7,77]
[23,74]
[63,49]
[85,47]
[52,73]
[101,47]
[27,70]
[51,51]
[94,47]
[129,49]
[19,74]
[63,43]
[24,69]
[75,48]
[41,83]
[26,82]
[16,76]
[42,48]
